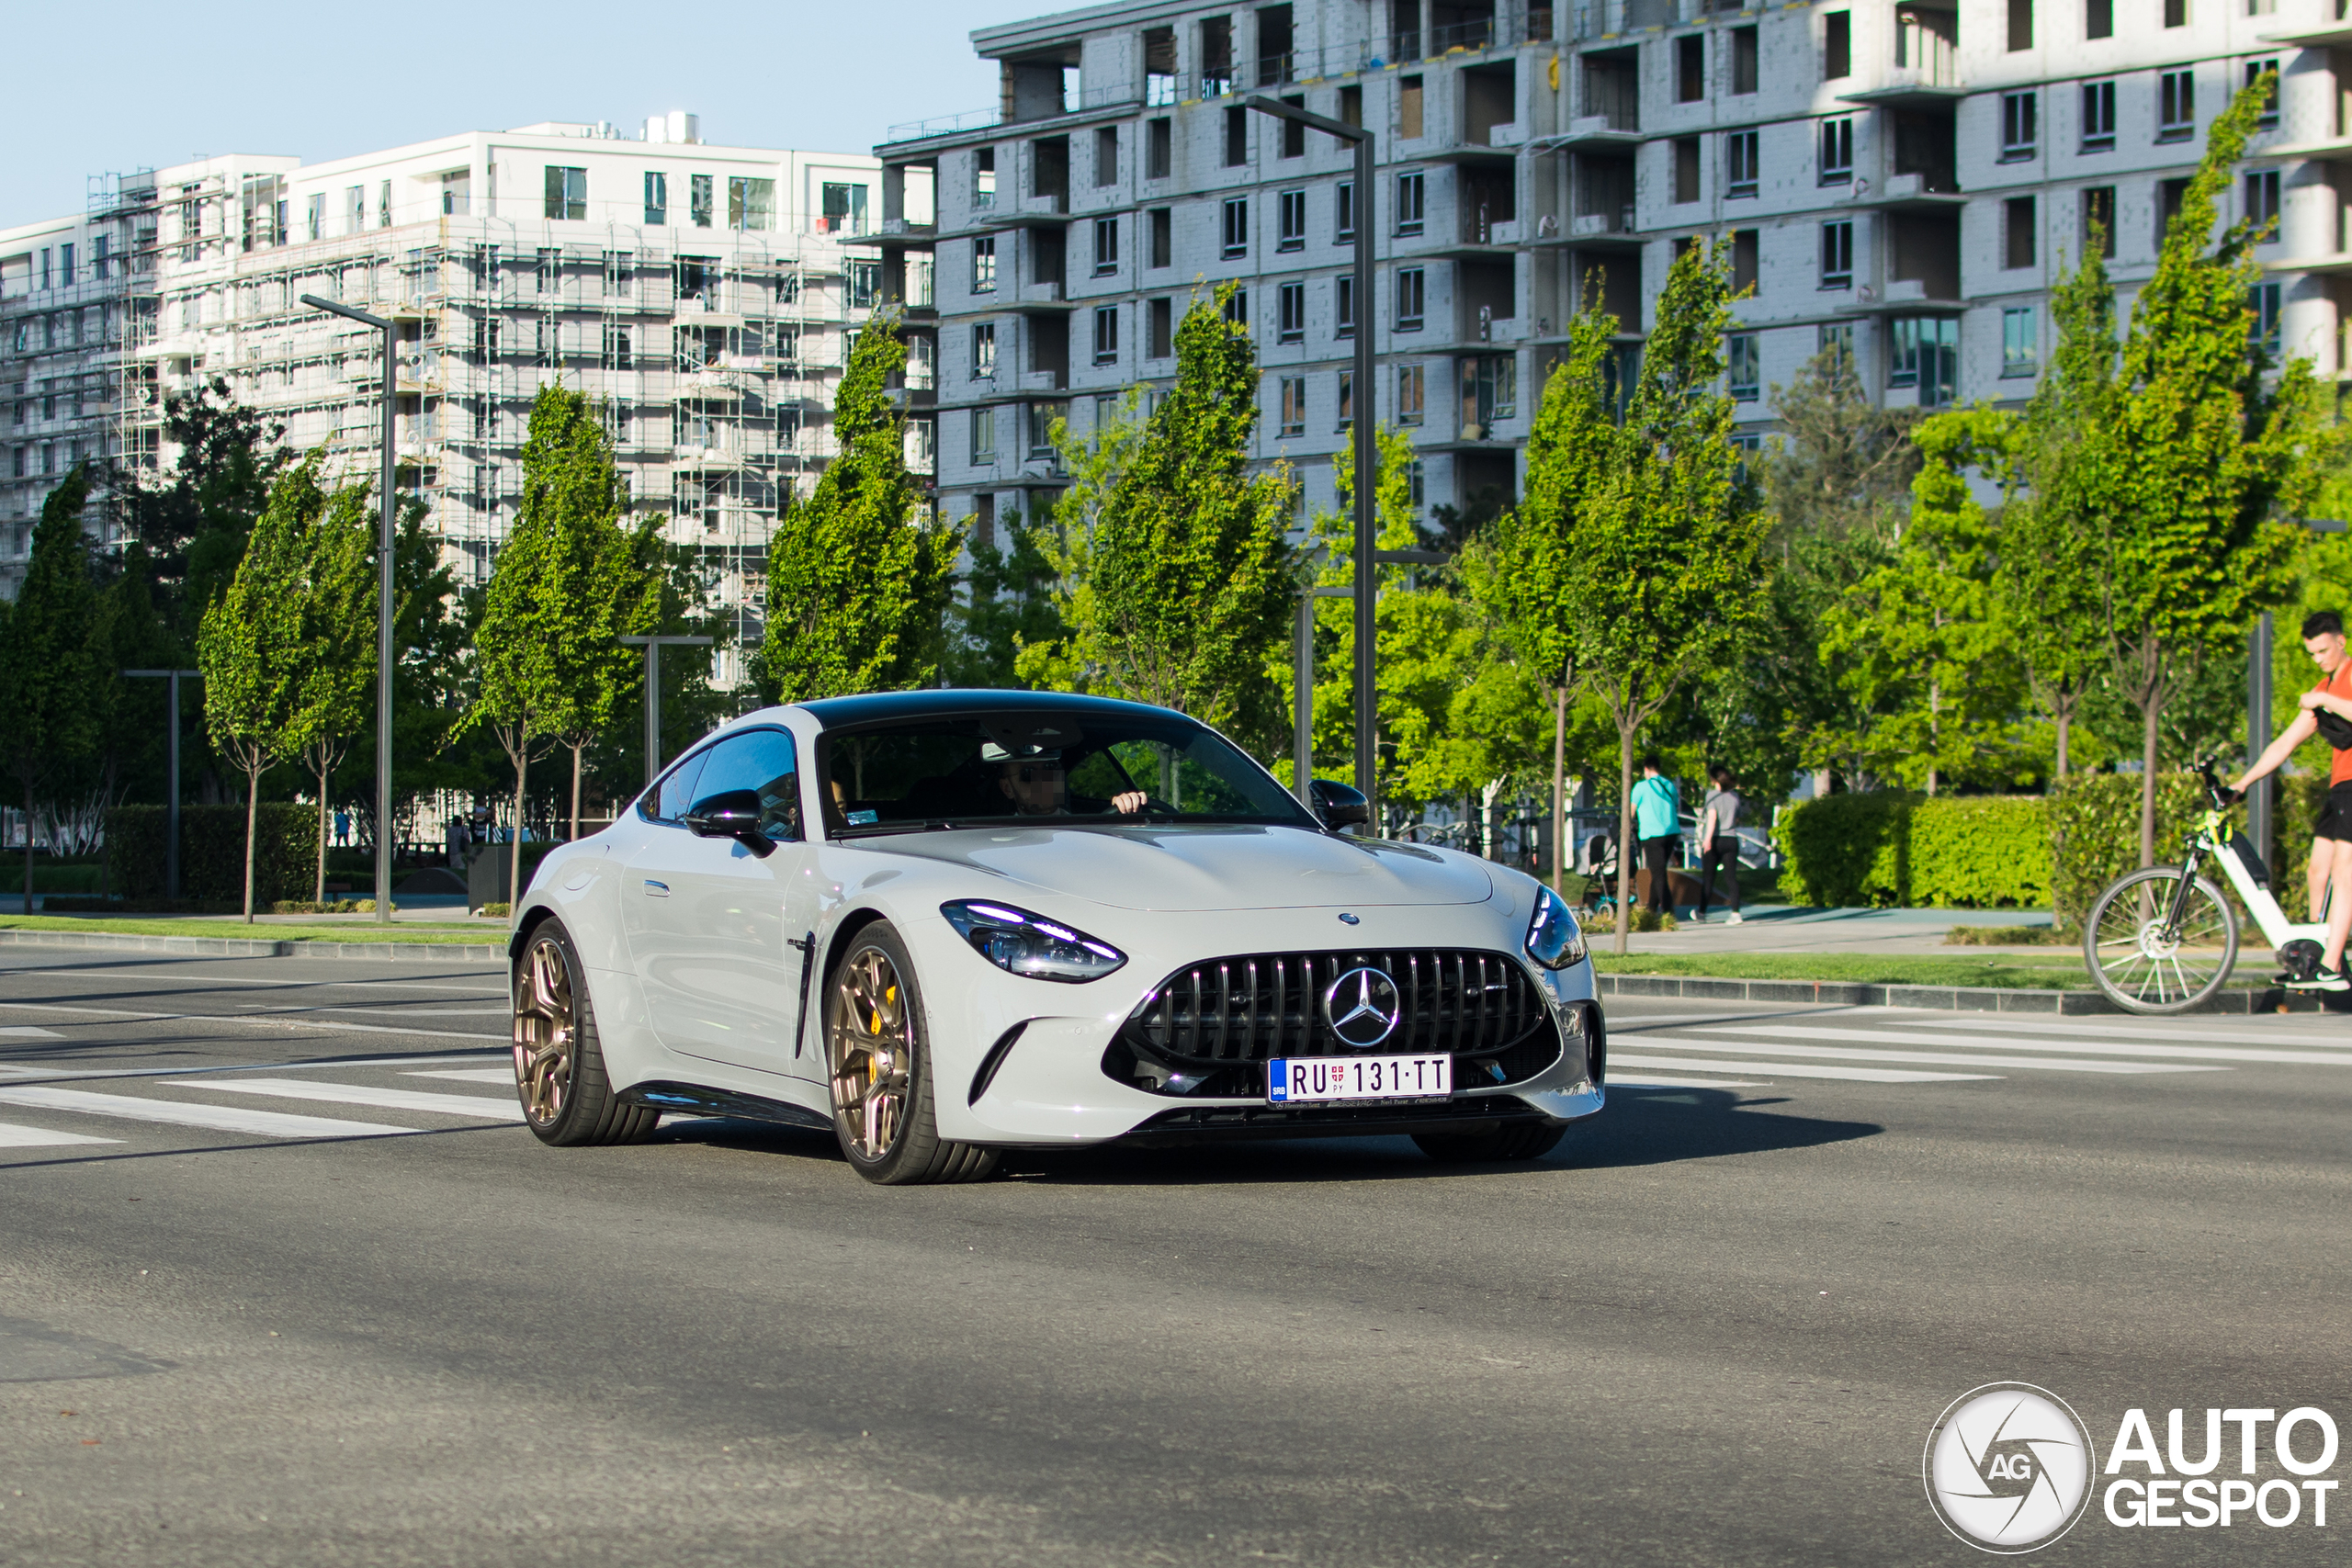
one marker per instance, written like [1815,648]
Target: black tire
[2143,969]
[1521,1140]
[560,1078]
[885,1102]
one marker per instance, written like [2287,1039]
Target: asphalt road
[1713,1328]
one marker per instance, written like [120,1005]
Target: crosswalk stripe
[1793,1069]
[283,1018]
[1659,1081]
[2086,1047]
[470,1075]
[1952,1058]
[362,1094]
[2128,1032]
[27,1032]
[186,1113]
[16,1137]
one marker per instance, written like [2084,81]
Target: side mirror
[731,814]
[1338,805]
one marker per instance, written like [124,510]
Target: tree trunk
[1559,786]
[28,848]
[2148,775]
[577,747]
[318,893]
[1624,833]
[253,816]
[1935,731]
[514,858]
[2064,710]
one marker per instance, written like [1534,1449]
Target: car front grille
[1260,1006]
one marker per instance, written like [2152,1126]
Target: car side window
[759,763]
[676,794]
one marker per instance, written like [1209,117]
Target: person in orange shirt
[2327,711]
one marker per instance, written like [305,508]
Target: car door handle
[656,889]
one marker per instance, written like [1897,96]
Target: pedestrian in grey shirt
[1718,845]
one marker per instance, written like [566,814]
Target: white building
[1909,178]
[702,293]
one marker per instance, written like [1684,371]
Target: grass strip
[406,933]
[1868,969]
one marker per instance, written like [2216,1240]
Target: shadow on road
[1661,1126]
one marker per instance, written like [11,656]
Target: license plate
[1300,1080]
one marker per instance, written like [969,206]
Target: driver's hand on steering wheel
[1129,803]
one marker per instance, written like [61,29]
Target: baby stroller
[1599,900]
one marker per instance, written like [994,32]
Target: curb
[247,947]
[2243,1000]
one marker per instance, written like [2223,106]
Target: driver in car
[1038,787]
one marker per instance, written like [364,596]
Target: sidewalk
[1785,927]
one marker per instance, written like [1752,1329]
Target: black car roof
[840,713]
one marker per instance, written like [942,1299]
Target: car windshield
[1019,767]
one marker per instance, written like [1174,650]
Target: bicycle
[2164,939]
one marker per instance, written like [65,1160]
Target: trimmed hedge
[2095,833]
[1973,851]
[212,853]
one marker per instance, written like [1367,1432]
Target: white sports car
[945,923]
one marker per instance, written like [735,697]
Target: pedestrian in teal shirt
[1657,826]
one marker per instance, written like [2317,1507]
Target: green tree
[129,633]
[332,656]
[1177,582]
[49,678]
[859,575]
[193,521]
[1666,574]
[2185,451]
[1007,603]
[249,645]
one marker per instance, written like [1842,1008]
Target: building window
[2098,116]
[2020,126]
[1410,298]
[1290,312]
[1235,231]
[1294,222]
[2176,13]
[2099,18]
[1744,361]
[983,437]
[1159,149]
[1346,400]
[2263,302]
[616,354]
[1106,156]
[2262,202]
[1162,230]
[547,277]
[983,352]
[2017,233]
[1743,61]
[2169,196]
[1237,136]
[616,274]
[1489,392]
[1410,388]
[2021,342]
[2020,25]
[700,207]
[1838,255]
[1106,334]
[984,266]
[1409,190]
[1741,149]
[1236,307]
[1344,213]
[1835,337]
[984,178]
[2255,70]
[1747,260]
[841,210]
[1293,133]
[751,203]
[1838,45]
[1294,393]
[1345,299]
[2098,220]
[1924,352]
[1686,169]
[315,224]
[1409,109]
[1106,247]
[1163,329]
[1690,68]
[1837,150]
[2176,106]
[657,199]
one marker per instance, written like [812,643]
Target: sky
[162,83]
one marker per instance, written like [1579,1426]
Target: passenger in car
[1038,787]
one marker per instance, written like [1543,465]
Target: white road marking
[422,1012]
[1793,1069]
[28,1031]
[2150,1031]
[16,1137]
[361,1094]
[184,1113]
[76,1075]
[1658,1080]
[2086,1047]
[269,1021]
[157,978]
[470,1075]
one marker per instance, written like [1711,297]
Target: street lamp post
[1366,408]
[653,646]
[387,509]
[170,773]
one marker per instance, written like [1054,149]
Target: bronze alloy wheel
[871,1050]
[546,1025]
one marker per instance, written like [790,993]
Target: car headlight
[1554,938]
[1021,943]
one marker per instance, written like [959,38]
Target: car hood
[1206,868]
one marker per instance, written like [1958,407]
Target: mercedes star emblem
[1362,1007]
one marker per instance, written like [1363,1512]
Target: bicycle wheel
[2144,967]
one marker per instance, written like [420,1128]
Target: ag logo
[1362,1007]
[2008,1468]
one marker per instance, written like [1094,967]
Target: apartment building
[703,294]
[1907,179]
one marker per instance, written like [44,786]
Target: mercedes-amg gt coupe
[944,924]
